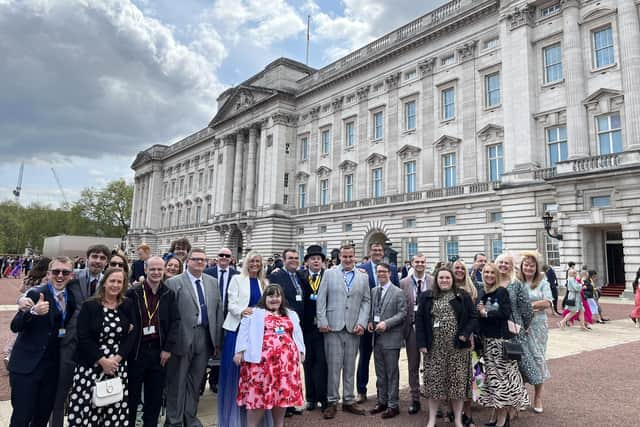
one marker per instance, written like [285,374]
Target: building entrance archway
[235,243]
[378,236]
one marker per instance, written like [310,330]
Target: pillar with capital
[577,132]
[251,169]
[629,30]
[236,203]
[227,168]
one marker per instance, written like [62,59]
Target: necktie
[295,283]
[222,287]
[92,287]
[61,303]
[203,305]
[223,294]
[314,276]
[379,300]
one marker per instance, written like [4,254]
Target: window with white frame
[449,220]
[449,170]
[410,223]
[448,103]
[211,177]
[557,143]
[550,10]
[326,141]
[410,115]
[347,227]
[609,133]
[324,192]
[188,217]
[302,195]
[190,184]
[410,75]
[448,59]
[496,247]
[198,214]
[490,43]
[376,182]
[200,180]
[552,251]
[551,207]
[552,56]
[603,54]
[412,248]
[495,216]
[451,249]
[348,188]
[304,148]
[378,125]
[495,162]
[600,201]
[350,133]
[410,180]
[208,209]
[492,89]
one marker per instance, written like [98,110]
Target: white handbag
[107,392]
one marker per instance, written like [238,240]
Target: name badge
[149,330]
[62,332]
[298,297]
[436,324]
[415,308]
[313,297]
[279,330]
[376,318]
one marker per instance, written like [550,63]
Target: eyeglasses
[116,264]
[57,272]
[224,256]
[198,259]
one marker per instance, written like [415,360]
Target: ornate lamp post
[547,218]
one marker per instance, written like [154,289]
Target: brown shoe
[354,408]
[362,397]
[330,412]
[390,413]
[378,408]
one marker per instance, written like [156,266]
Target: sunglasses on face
[224,256]
[57,272]
[116,264]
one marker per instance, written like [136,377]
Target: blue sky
[86,84]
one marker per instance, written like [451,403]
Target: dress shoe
[378,408]
[330,412]
[390,413]
[539,410]
[311,406]
[362,397]
[491,423]
[354,408]
[415,407]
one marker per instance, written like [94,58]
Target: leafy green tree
[109,209]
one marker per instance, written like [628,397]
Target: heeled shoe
[506,422]
[539,410]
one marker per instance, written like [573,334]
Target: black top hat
[314,250]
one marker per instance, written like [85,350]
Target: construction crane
[18,189]
[65,203]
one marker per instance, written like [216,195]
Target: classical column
[237,173]
[226,169]
[575,89]
[251,169]
[135,202]
[427,68]
[629,31]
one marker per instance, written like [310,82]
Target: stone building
[450,135]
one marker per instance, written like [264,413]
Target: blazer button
[346,308]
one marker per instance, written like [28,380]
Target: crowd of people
[110,343]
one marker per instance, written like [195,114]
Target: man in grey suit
[199,337]
[386,323]
[342,311]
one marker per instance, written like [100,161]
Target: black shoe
[439,414]
[415,407]
[311,406]
[467,421]
[450,416]
[491,423]
[291,411]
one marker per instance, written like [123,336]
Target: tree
[109,209]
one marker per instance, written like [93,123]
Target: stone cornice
[446,142]
[337,103]
[376,159]
[348,166]
[323,171]
[392,80]
[520,16]
[467,50]
[363,92]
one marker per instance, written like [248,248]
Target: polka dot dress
[81,410]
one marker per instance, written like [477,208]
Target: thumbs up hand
[42,307]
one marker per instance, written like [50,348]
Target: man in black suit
[223,271]
[315,363]
[35,358]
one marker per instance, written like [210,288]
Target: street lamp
[547,218]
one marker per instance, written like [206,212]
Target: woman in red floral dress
[270,349]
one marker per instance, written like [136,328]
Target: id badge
[62,332]
[376,318]
[298,298]
[313,297]
[436,324]
[415,308]
[149,330]
[279,330]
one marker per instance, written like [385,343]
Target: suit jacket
[137,270]
[407,284]
[37,339]
[308,319]
[189,308]
[393,312]
[368,266]
[282,278]
[239,294]
[336,308]
[213,272]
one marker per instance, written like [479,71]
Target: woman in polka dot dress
[104,340]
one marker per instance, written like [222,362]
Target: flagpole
[308,31]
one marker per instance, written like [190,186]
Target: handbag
[570,302]
[512,350]
[107,392]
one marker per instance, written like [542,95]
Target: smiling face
[459,271]
[347,258]
[529,268]
[197,262]
[254,266]
[382,273]
[60,274]
[444,280]
[489,275]
[273,301]
[291,261]
[376,252]
[172,268]
[419,264]
[505,265]
[113,285]
[224,258]
[97,262]
[155,270]
[116,261]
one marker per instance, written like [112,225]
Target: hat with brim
[314,250]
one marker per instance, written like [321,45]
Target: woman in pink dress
[269,350]
[635,314]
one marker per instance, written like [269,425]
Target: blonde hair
[496,285]
[467,284]
[538,275]
[245,268]
[511,276]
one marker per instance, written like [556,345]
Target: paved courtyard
[595,378]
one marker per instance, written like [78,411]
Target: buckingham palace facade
[450,135]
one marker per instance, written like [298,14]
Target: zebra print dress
[503,385]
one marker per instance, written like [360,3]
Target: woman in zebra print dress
[503,386]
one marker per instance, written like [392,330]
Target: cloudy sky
[86,84]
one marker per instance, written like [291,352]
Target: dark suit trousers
[413,362]
[65,380]
[554,293]
[386,362]
[146,370]
[362,375]
[315,367]
[31,395]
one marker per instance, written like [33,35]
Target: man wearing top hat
[315,363]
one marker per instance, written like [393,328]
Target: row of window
[171,217]
[185,185]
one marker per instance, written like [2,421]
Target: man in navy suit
[376,256]
[35,359]
[223,271]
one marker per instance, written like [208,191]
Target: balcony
[595,164]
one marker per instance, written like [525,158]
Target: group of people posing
[156,324]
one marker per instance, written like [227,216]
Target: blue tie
[203,305]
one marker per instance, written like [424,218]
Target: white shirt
[195,289]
